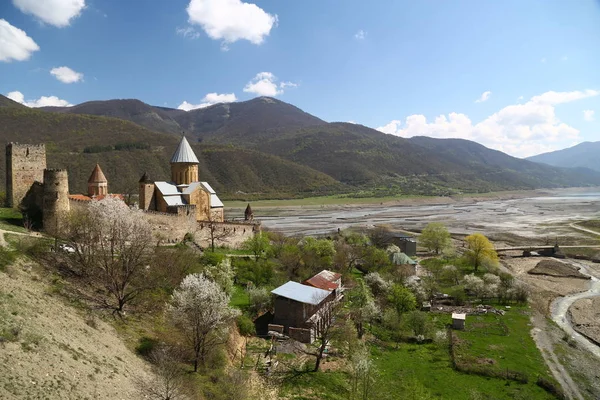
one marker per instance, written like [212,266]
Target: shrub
[146,346]
[245,326]
[260,300]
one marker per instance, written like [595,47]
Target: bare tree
[217,230]
[111,244]
[168,382]
[201,310]
[323,324]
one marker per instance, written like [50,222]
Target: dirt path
[3,242]
[580,228]
[544,343]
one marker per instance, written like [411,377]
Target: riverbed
[534,216]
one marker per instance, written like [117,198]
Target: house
[458,321]
[298,307]
[407,243]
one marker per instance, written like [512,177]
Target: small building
[406,243]
[295,306]
[458,321]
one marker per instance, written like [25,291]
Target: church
[184,193]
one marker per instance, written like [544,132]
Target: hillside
[582,155]
[267,148]
[51,350]
[8,103]
[126,150]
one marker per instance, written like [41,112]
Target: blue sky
[405,67]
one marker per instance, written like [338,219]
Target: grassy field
[416,371]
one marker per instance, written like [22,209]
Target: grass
[504,341]
[331,385]
[239,298]
[228,251]
[11,220]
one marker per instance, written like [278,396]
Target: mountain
[267,148]
[235,120]
[8,103]
[126,150]
[154,118]
[582,155]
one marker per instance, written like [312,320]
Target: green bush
[245,325]
[145,346]
[210,258]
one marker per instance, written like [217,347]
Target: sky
[518,76]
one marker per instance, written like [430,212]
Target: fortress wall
[172,228]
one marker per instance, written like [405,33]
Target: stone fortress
[183,206]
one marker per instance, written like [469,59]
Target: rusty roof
[97,176]
[324,280]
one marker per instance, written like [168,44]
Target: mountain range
[267,148]
[583,155]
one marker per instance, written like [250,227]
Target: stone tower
[97,184]
[146,193]
[184,164]
[25,164]
[248,214]
[55,199]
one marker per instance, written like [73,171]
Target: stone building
[25,165]
[185,192]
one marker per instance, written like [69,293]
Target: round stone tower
[55,206]
[184,164]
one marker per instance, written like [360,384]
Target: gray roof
[184,153]
[301,293]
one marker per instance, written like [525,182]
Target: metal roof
[174,200]
[184,153]
[459,316]
[166,188]
[191,187]
[301,293]
[324,280]
[208,187]
[215,202]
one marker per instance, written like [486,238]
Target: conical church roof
[184,153]
[97,176]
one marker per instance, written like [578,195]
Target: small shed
[458,321]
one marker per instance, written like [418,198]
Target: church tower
[184,164]
[97,184]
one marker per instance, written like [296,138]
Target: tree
[323,326]
[111,244]
[217,230]
[258,244]
[416,321]
[435,237]
[480,250]
[380,236]
[200,309]
[317,254]
[168,381]
[362,307]
[402,299]
[260,300]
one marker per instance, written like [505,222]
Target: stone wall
[56,203]
[25,164]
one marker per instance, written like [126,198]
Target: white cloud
[209,100]
[484,97]
[188,32]
[44,101]
[265,84]
[14,43]
[231,20]
[54,12]
[588,115]
[519,129]
[360,35]
[66,75]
